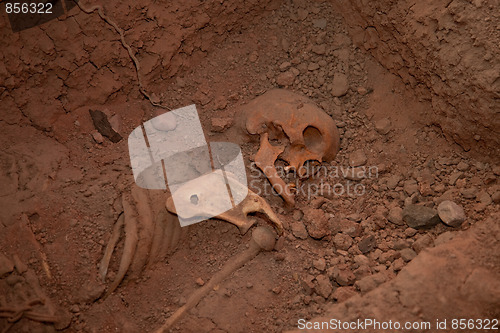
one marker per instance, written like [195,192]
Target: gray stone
[340,85]
[451,213]
[367,244]
[417,216]
[164,122]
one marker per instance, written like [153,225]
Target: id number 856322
[28,8]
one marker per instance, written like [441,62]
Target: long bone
[263,239]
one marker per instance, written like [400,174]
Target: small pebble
[451,213]
[199,281]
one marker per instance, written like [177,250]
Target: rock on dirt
[340,85]
[101,123]
[370,282]
[407,254]
[350,228]
[393,181]
[316,223]
[423,242]
[98,138]
[221,124]
[417,216]
[367,244]
[307,283]
[286,79]
[299,230]
[324,286]
[383,126]
[342,241]
[319,264]
[342,294]
[319,49]
[344,277]
[357,158]
[451,213]
[396,216]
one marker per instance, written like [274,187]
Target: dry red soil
[414,89]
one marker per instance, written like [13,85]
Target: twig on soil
[124,43]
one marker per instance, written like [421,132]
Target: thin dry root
[130,52]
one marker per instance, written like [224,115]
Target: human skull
[304,130]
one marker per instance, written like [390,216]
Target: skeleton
[151,229]
[150,237]
[305,133]
[151,233]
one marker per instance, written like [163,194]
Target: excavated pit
[414,89]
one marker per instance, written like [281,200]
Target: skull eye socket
[313,139]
